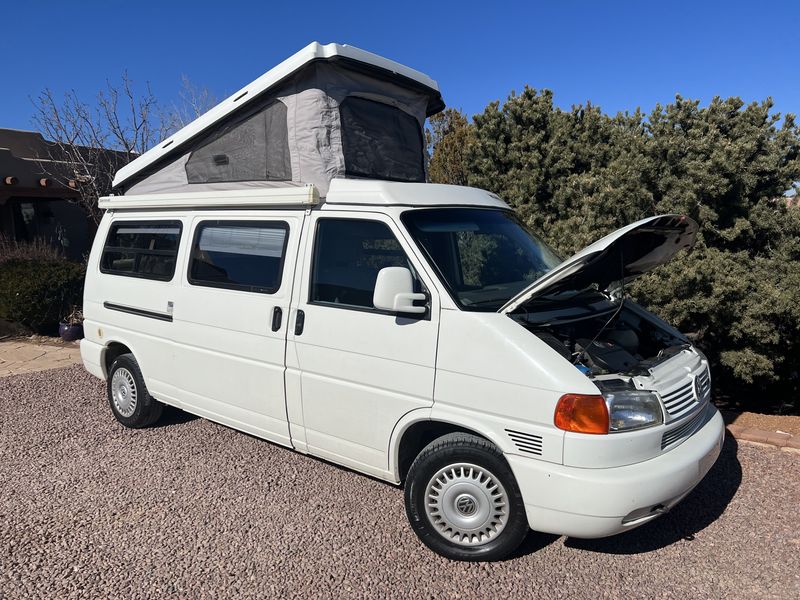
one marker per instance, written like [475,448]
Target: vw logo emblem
[466,505]
[698,392]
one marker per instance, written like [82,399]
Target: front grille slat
[676,396]
[682,431]
[677,408]
[679,414]
[526,442]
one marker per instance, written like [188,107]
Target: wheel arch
[111,350]
[419,428]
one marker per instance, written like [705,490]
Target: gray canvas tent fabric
[327,120]
[255,149]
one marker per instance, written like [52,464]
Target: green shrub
[38,294]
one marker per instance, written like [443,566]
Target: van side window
[239,255]
[348,253]
[142,249]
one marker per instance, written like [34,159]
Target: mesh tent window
[255,149]
[381,141]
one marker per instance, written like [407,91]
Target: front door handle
[277,314]
[299,322]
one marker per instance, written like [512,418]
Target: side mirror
[394,291]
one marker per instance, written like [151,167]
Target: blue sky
[619,55]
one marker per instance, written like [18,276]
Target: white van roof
[342,192]
[361,74]
[390,193]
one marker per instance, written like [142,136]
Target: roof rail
[306,195]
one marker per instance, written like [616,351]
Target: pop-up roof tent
[327,112]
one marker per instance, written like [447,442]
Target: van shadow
[533,542]
[174,416]
[697,511]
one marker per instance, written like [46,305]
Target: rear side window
[145,249]
[239,255]
[348,253]
[381,141]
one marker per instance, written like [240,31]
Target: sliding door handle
[277,315]
[299,322]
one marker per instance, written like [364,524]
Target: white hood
[623,255]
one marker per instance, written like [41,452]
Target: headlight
[632,409]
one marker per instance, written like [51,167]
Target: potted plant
[71,328]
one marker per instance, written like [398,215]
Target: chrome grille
[526,442]
[682,431]
[681,399]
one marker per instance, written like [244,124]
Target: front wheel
[462,499]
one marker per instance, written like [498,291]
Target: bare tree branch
[90,142]
[193,101]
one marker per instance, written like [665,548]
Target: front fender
[407,420]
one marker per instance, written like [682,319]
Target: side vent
[526,442]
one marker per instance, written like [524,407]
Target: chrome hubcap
[123,392]
[466,504]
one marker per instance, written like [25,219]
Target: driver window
[348,253]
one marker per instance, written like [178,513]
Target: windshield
[485,256]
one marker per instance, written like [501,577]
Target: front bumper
[592,503]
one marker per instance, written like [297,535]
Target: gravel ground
[193,509]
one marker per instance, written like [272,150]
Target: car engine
[622,340]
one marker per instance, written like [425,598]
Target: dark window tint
[347,257]
[380,141]
[239,255]
[142,249]
[256,149]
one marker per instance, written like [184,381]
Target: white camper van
[279,266]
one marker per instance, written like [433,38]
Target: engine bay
[616,337]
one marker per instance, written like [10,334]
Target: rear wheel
[462,499]
[127,394]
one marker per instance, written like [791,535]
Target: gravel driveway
[191,508]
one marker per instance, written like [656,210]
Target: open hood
[620,256]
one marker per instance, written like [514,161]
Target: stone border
[783,441]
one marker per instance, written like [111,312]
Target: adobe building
[37,198]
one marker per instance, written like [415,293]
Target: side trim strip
[150,314]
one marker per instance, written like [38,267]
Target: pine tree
[577,175]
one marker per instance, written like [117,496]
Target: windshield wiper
[499,301]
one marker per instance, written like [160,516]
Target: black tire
[146,409]
[438,456]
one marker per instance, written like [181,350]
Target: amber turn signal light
[582,413]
